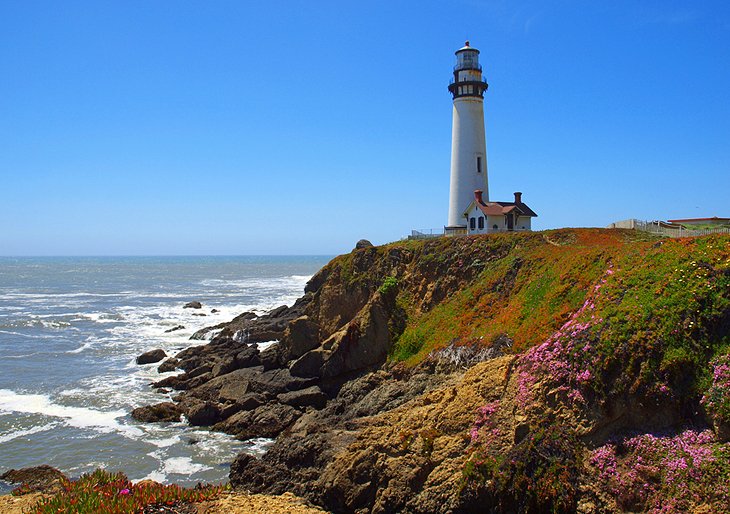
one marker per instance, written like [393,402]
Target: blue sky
[299,127]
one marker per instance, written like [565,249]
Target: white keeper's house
[470,211]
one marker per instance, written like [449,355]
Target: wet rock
[182,382]
[213,311]
[265,421]
[151,357]
[203,414]
[199,314]
[44,478]
[165,411]
[278,381]
[193,305]
[202,334]
[309,397]
[168,365]
[174,329]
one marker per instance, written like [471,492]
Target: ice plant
[112,493]
[662,474]
[717,397]
[564,358]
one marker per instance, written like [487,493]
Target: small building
[694,222]
[488,217]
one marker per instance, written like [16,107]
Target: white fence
[426,233]
[665,229]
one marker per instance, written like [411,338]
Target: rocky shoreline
[357,431]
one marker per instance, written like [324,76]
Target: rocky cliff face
[560,371]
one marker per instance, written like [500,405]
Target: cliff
[577,369]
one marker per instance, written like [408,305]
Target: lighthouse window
[472,223]
[481,222]
[479,164]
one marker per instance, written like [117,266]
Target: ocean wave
[4,438]
[258,282]
[81,348]
[29,336]
[78,417]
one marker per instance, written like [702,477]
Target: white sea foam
[79,417]
[4,438]
[182,466]
[29,336]
[80,348]
[258,445]
[155,476]
[266,344]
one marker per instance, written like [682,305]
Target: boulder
[309,397]
[165,411]
[248,357]
[224,366]
[265,421]
[38,479]
[193,305]
[271,358]
[301,336]
[174,329]
[151,357]
[169,365]
[278,381]
[203,414]
[310,364]
[363,243]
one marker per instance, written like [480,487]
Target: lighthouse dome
[467,48]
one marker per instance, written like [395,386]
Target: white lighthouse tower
[468,142]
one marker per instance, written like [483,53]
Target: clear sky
[299,127]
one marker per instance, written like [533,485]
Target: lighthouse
[468,142]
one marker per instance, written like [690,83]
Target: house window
[479,164]
[481,222]
[473,223]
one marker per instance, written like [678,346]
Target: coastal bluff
[567,370]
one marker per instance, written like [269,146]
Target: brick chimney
[518,197]
[478,196]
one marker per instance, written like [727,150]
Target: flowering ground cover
[604,325]
[662,474]
[103,492]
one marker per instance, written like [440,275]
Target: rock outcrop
[464,374]
[165,411]
[151,357]
[43,478]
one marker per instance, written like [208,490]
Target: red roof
[715,218]
[501,208]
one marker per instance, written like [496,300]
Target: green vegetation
[389,284]
[104,492]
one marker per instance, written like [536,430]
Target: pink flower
[124,491]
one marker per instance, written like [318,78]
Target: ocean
[70,330]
